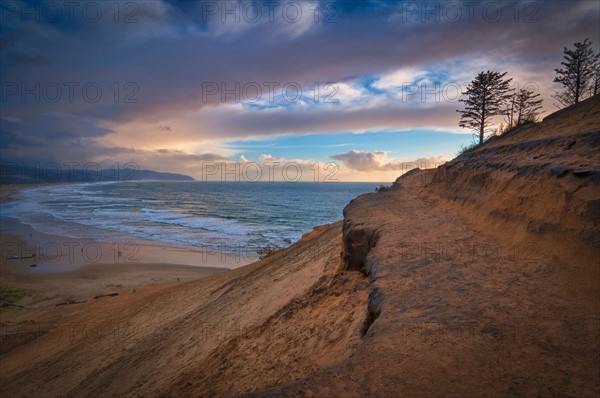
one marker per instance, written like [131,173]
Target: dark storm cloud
[152,60]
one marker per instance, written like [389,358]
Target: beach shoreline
[57,278]
[8,191]
[59,269]
[55,253]
[58,253]
[68,278]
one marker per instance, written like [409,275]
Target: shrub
[13,294]
[467,148]
[383,188]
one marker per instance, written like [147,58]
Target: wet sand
[59,270]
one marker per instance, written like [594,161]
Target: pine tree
[578,74]
[527,106]
[522,107]
[486,95]
[509,111]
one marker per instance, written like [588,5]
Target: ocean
[201,214]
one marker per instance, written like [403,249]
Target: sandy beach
[58,283]
[23,246]
[76,280]
[57,272]
[53,253]
[66,268]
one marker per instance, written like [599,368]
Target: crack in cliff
[357,244]
[373,309]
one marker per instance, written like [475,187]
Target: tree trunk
[578,82]
[481,132]
[482,126]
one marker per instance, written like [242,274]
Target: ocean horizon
[252,215]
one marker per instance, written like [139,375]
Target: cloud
[363,161]
[47,132]
[379,161]
[397,78]
[153,70]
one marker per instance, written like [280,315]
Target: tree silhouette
[523,107]
[486,95]
[579,75]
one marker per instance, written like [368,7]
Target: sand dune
[258,326]
[478,279]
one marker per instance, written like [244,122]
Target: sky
[341,90]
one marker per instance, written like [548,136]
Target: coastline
[65,278]
[8,190]
[55,253]
[73,275]
[61,269]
